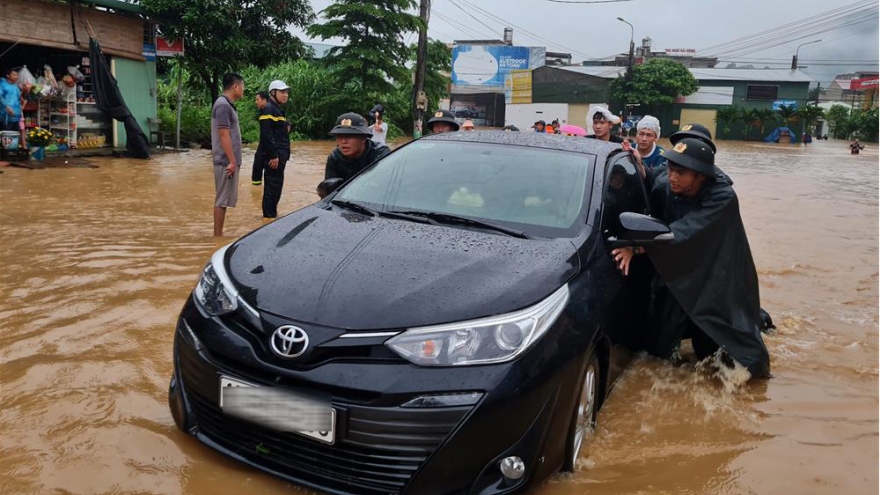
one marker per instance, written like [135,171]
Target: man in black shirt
[354,149]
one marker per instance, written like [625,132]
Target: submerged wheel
[584,418]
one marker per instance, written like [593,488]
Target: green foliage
[762,116]
[439,61]
[836,117]
[726,116]
[788,114]
[224,35]
[656,82]
[195,123]
[748,117]
[861,124]
[374,54]
[810,114]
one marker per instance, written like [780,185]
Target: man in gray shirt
[226,147]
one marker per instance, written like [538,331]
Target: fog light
[512,467]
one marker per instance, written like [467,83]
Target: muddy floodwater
[97,262]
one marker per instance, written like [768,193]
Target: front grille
[377,450]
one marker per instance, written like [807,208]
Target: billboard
[863,83]
[780,103]
[487,67]
[518,87]
[166,48]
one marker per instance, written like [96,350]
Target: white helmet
[279,85]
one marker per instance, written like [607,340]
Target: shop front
[49,42]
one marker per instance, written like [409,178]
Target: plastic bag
[75,73]
[25,78]
[50,76]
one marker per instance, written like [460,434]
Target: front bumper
[381,448]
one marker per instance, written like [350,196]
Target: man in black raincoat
[354,149]
[706,286]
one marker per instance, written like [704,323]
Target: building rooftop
[705,74]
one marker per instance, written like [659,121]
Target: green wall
[137,83]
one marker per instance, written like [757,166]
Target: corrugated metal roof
[767,75]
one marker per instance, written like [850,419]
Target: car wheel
[584,417]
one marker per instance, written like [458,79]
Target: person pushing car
[706,284]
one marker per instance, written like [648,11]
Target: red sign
[863,83]
[168,49]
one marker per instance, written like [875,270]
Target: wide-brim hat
[351,124]
[694,154]
[443,116]
[696,131]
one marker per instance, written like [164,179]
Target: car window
[624,191]
[532,188]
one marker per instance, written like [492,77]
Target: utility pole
[419,101]
[794,59]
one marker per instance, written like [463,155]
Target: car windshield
[538,191]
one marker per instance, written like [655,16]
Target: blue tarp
[775,135]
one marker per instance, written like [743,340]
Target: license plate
[278,409]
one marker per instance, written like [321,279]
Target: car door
[624,191]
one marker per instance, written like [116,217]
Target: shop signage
[149,52]
[863,83]
[166,48]
[779,103]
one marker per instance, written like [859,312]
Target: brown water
[96,264]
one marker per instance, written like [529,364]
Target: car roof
[530,139]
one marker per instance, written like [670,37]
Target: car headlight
[487,340]
[214,291]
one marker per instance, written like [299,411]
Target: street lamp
[794,60]
[631,44]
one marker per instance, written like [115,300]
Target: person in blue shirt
[648,131]
[10,100]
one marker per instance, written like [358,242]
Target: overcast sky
[593,31]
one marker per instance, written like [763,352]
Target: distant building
[643,53]
[858,89]
[718,88]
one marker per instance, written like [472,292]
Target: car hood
[346,270]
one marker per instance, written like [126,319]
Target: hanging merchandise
[75,73]
[26,79]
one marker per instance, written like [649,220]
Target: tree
[439,63]
[810,114]
[748,117]
[836,117]
[726,116]
[374,55]
[788,114]
[656,82]
[815,94]
[226,35]
[762,116]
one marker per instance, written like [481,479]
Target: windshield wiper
[457,220]
[353,206]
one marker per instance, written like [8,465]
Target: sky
[593,31]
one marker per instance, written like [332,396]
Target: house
[719,88]
[40,33]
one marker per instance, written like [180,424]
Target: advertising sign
[149,52]
[789,103]
[863,83]
[518,87]
[486,65]
[166,48]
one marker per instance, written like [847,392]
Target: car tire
[583,421]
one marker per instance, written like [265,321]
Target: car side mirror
[641,230]
[327,186]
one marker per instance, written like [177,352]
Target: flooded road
[97,263]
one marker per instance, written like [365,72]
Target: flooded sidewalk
[97,263]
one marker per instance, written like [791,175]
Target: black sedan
[446,322]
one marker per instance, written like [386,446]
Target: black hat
[351,124]
[511,128]
[694,154]
[443,116]
[694,131]
[378,108]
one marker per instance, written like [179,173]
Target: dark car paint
[311,260]
[539,386]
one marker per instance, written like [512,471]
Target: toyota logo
[289,341]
